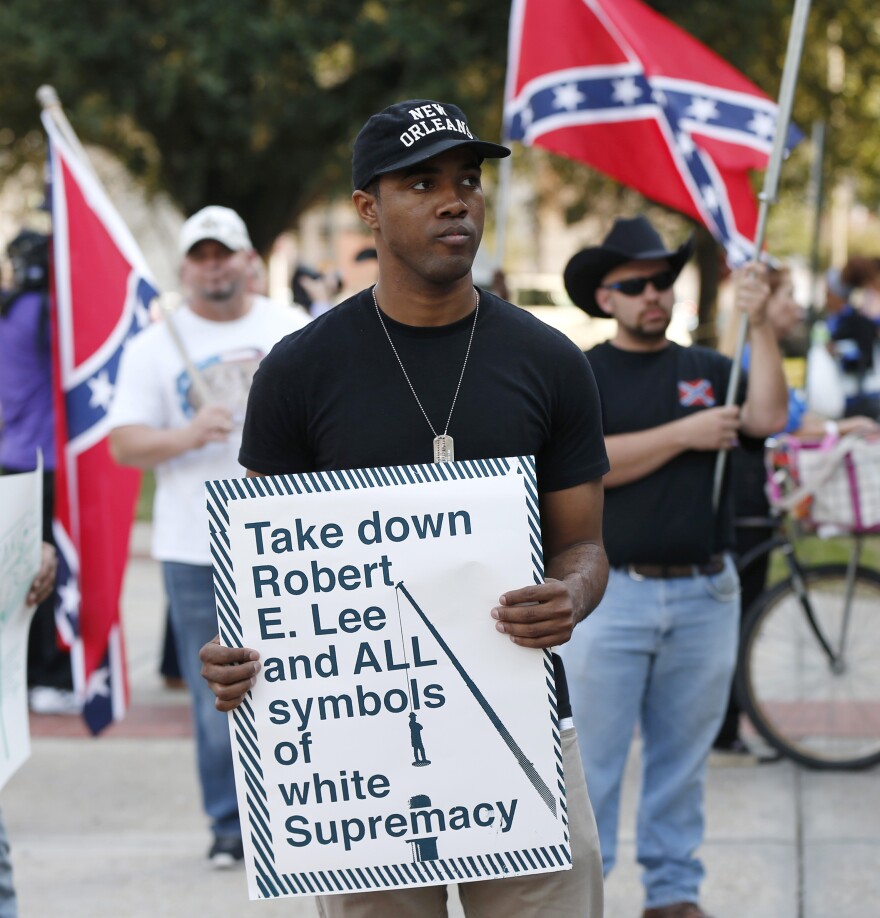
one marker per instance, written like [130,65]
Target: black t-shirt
[854,326]
[332,396]
[667,516]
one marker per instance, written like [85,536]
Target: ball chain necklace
[443,444]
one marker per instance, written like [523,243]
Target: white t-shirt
[154,388]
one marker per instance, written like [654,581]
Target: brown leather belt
[667,571]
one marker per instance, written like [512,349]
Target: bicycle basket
[828,483]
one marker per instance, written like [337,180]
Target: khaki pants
[575,893]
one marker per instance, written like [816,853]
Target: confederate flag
[615,85]
[102,291]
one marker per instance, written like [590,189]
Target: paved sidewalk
[113,828]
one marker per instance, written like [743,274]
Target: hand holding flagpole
[768,196]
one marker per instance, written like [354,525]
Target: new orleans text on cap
[427,123]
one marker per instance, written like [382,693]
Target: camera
[332,279]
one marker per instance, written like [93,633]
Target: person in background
[178,408]
[499,284]
[28,427]
[362,271]
[314,291]
[169,665]
[853,334]
[870,306]
[749,474]
[367,254]
[8,898]
[41,589]
[659,651]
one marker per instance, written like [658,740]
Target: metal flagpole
[817,197]
[48,99]
[768,195]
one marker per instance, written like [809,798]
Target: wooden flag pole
[768,196]
[48,99]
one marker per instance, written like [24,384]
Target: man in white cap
[178,409]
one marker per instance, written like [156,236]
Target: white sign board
[394,737]
[20,536]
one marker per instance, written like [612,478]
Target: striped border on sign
[270,882]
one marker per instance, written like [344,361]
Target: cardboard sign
[21,524]
[394,737]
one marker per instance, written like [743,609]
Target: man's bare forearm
[584,569]
[146,447]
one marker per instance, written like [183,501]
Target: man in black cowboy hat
[661,648]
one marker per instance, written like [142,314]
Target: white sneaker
[226,851]
[44,699]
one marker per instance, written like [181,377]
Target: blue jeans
[190,589]
[8,907]
[660,654]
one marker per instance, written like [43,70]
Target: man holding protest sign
[425,351]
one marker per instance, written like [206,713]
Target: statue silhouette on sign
[425,848]
[415,736]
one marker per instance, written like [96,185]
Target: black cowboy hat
[630,239]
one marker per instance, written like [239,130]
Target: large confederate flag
[615,85]
[102,291]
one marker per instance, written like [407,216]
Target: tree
[252,104]
[839,76]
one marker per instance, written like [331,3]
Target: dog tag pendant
[443,449]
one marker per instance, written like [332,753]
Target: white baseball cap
[219,223]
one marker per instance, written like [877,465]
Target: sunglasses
[633,286]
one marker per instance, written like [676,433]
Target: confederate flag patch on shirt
[695,393]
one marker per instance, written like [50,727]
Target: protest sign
[21,498]
[393,737]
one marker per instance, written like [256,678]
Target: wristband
[832,429]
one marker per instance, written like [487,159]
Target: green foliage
[144,507]
[838,81]
[812,550]
[254,104]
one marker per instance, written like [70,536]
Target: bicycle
[808,672]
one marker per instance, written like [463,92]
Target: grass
[813,550]
[144,509]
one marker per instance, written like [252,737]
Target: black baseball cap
[411,132]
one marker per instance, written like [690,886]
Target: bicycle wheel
[820,713]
